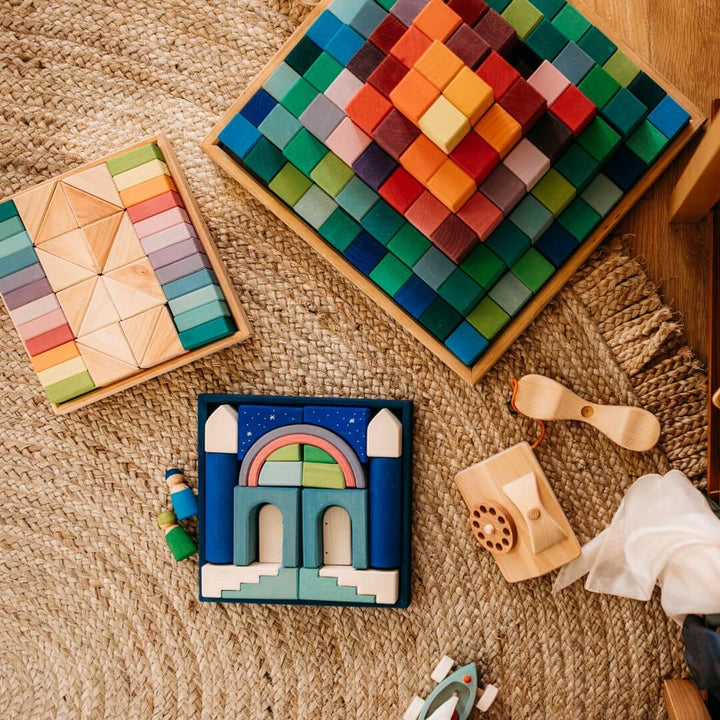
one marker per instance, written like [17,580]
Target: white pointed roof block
[384,435]
[221,430]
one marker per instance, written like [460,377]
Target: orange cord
[515,387]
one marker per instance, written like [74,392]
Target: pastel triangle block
[101,310]
[62,273]
[164,343]
[104,369]
[75,301]
[101,236]
[96,181]
[139,329]
[58,218]
[126,247]
[31,206]
[86,207]
[110,341]
[73,247]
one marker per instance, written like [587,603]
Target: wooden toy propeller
[541,398]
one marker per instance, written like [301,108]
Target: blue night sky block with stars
[348,422]
[255,420]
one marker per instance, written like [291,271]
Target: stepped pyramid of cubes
[455,153]
[103,274]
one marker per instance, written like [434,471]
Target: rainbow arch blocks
[304,500]
[457,160]
[110,277]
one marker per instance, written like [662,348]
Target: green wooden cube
[508,242]
[523,16]
[532,217]
[599,140]
[280,126]
[602,194]
[281,81]
[440,318]
[290,184]
[408,244]
[483,266]
[382,222]
[340,230]
[599,86]
[332,174]
[305,151]
[298,97]
[390,274]
[571,23]
[356,198]
[554,191]
[315,207]
[461,291]
[579,219]
[546,41]
[323,71]
[597,45]
[624,112]
[488,318]
[549,8]
[621,67]
[510,294]
[265,160]
[577,166]
[533,269]
[647,142]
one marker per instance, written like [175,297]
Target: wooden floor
[679,39]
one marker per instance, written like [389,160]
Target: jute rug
[96,619]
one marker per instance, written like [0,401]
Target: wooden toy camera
[515,515]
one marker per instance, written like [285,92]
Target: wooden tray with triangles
[110,276]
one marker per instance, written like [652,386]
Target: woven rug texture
[98,621]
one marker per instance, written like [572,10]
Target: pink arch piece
[299,439]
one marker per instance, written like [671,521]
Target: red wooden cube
[401,190]
[387,75]
[498,73]
[387,33]
[481,215]
[475,156]
[455,239]
[574,108]
[523,102]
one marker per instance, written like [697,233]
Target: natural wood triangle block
[75,301]
[86,207]
[126,247]
[61,273]
[101,310]
[111,341]
[103,368]
[129,301]
[96,181]
[139,329]
[58,218]
[31,206]
[72,246]
[101,236]
[134,288]
[164,343]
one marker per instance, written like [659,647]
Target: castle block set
[451,158]
[304,500]
[109,276]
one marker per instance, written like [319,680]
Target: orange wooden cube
[470,94]
[410,47]
[499,129]
[423,159]
[439,65]
[367,108]
[413,95]
[437,20]
[451,185]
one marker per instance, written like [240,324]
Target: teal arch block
[313,587]
[283,586]
[315,501]
[248,501]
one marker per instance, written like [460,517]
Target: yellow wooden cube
[439,65]
[451,185]
[444,124]
[470,94]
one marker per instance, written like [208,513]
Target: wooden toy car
[454,696]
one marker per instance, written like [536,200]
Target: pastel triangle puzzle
[58,219]
[96,181]
[86,207]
